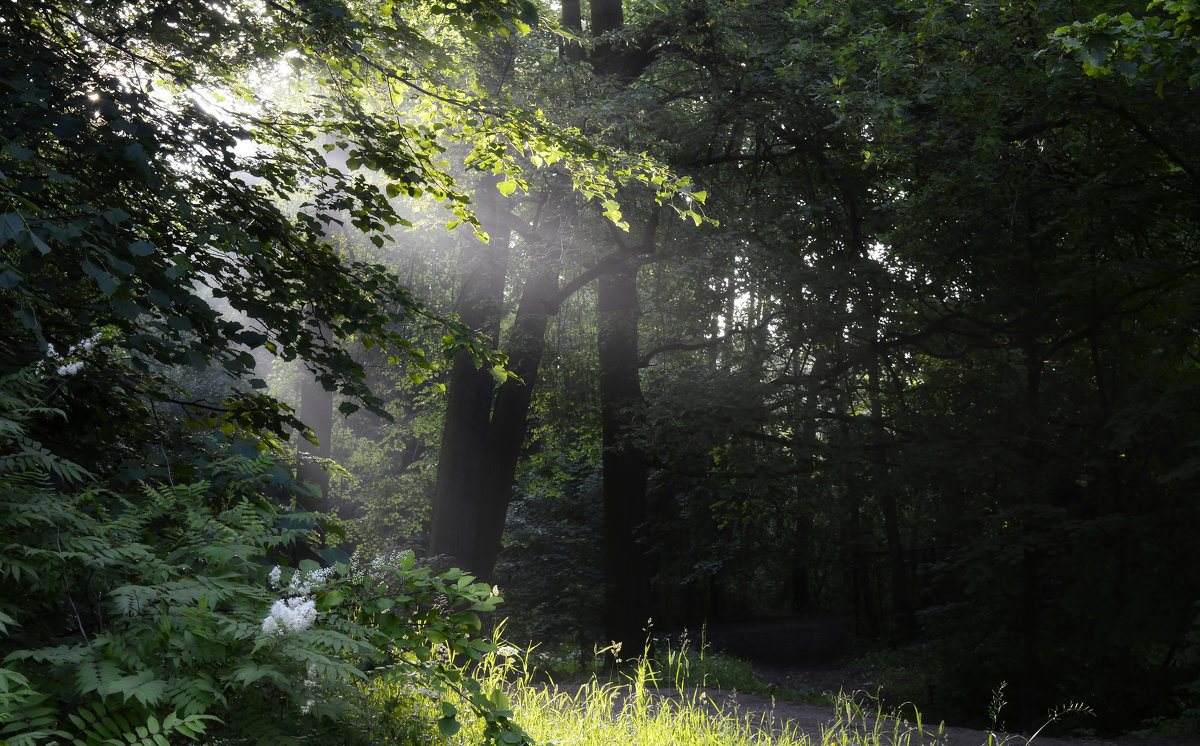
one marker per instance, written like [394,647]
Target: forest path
[807,654]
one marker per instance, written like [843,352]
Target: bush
[173,611]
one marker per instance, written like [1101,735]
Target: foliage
[139,616]
[548,566]
[144,174]
[936,365]
[1161,46]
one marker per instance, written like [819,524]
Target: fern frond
[28,718]
[195,695]
[29,455]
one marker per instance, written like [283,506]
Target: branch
[610,263]
[198,404]
[1142,129]
[689,346]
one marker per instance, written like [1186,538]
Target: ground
[804,655]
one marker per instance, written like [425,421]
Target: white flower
[273,578]
[70,369]
[508,651]
[85,345]
[291,614]
[302,582]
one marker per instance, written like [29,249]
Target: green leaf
[507,187]
[108,283]
[115,215]
[39,244]
[11,226]
[329,599]
[16,151]
[10,279]
[448,726]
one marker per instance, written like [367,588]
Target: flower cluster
[299,611]
[290,615]
[70,364]
[302,581]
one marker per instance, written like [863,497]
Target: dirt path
[816,720]
[803,655]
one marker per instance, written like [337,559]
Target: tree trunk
[458,516]
[607,58]
[607,15]
[510,415]
[626,570]
[572,20]
[316,411]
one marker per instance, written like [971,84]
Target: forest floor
[806,655]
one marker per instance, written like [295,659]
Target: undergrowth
[657,701]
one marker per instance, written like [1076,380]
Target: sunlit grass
[636,711]
[666,702]
[658,703]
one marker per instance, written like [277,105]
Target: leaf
[16,151]
[115,215]
[507,187]
[330,599]
[448,726]
[39,244]
[11,226]
[10,279]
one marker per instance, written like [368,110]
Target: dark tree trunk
[485,426]
[572,20]
[626,567]
[510,415]
[607,15]
[458,516]
[316,411]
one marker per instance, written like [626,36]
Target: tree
[162,217]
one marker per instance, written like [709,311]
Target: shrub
[172,611]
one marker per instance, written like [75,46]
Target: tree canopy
[696,311]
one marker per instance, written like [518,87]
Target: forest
[344,341]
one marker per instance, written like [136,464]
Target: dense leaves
[936,366]
[922,353]
[159,613]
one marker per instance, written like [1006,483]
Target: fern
[32,456]
[18,453]
[135,615]
[27,717]
[97,724]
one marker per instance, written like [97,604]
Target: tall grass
[657,703]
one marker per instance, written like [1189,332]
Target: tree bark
[510,415]
[572,20]
[316,411]
[458,517]
[626,562]
[607,15]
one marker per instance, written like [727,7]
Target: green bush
[172,611]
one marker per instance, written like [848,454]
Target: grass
[663,702]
